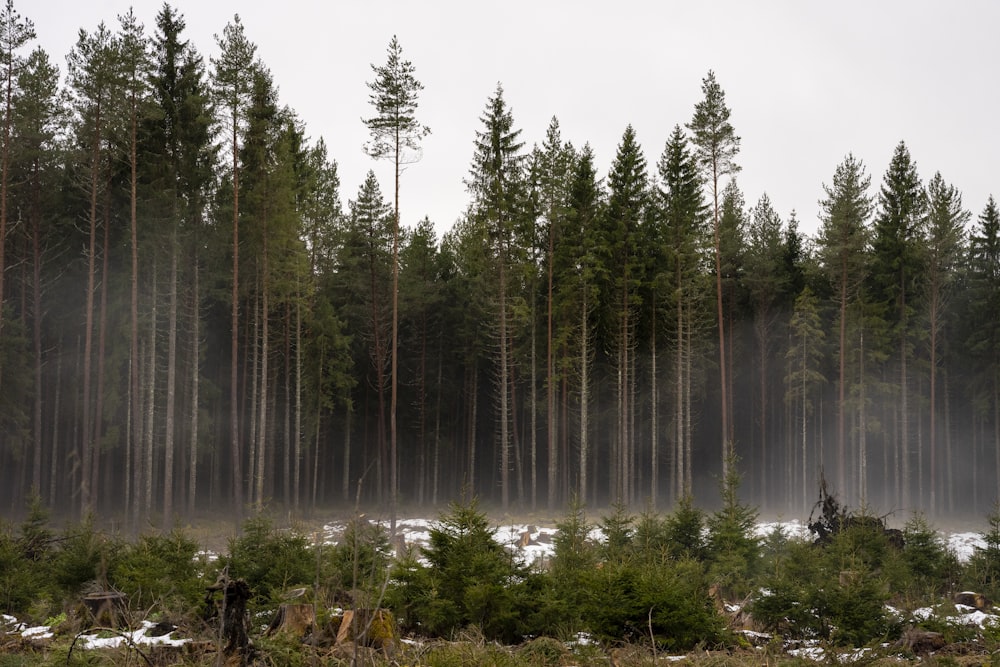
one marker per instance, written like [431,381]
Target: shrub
[269,560]
[931,569]
[733,549]
[628,601]
[162,570]
[573,563]
[471,581]
[17,585]
[360,560]
[618,532]
[685,530]
[983,570]
[84,557]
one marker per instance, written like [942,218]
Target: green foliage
[684,530]
[17,586]
[733,549]
[836,591]
[650,542]
[618,530]
[470,580]
[627,602]
[574,561]
[160,569]
[983,573]
[931,569]
[360,560]
[84,556]
[36,536]
[269,560]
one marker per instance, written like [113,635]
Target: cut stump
[293,619]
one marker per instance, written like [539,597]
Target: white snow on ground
[138,637]
[963,545]
[536,543]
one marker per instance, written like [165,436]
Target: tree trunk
[87,429]
[287,459]
[296,491]
[654,453]
[504,396]
[262,433]
[102,336]
[36,321]
[235,455]
[150,396]
[584,397]
[169,417]
[195,384]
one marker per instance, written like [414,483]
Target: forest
[193,320]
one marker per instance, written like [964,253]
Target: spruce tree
[496,183]
[983,340]
[684,217]
[578,266]
[896,284]
[944,231]
[628,198]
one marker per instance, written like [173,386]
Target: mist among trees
[196,318]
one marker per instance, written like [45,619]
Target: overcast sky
[807,82]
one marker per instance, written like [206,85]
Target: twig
[652,637]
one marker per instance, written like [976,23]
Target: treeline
[193,321]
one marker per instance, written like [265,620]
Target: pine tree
[717,145]
[38,118]
[395,129]
[15,33]
[232,79]
[554,162]
[136,66]
[841,243]
[94,78]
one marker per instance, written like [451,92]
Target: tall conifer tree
[232,79]
[717,145]
[394,130]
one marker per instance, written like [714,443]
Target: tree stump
[235,620]
[375,628]
[295,619]
[107,608]
[921,642]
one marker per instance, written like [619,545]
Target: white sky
[807,81]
